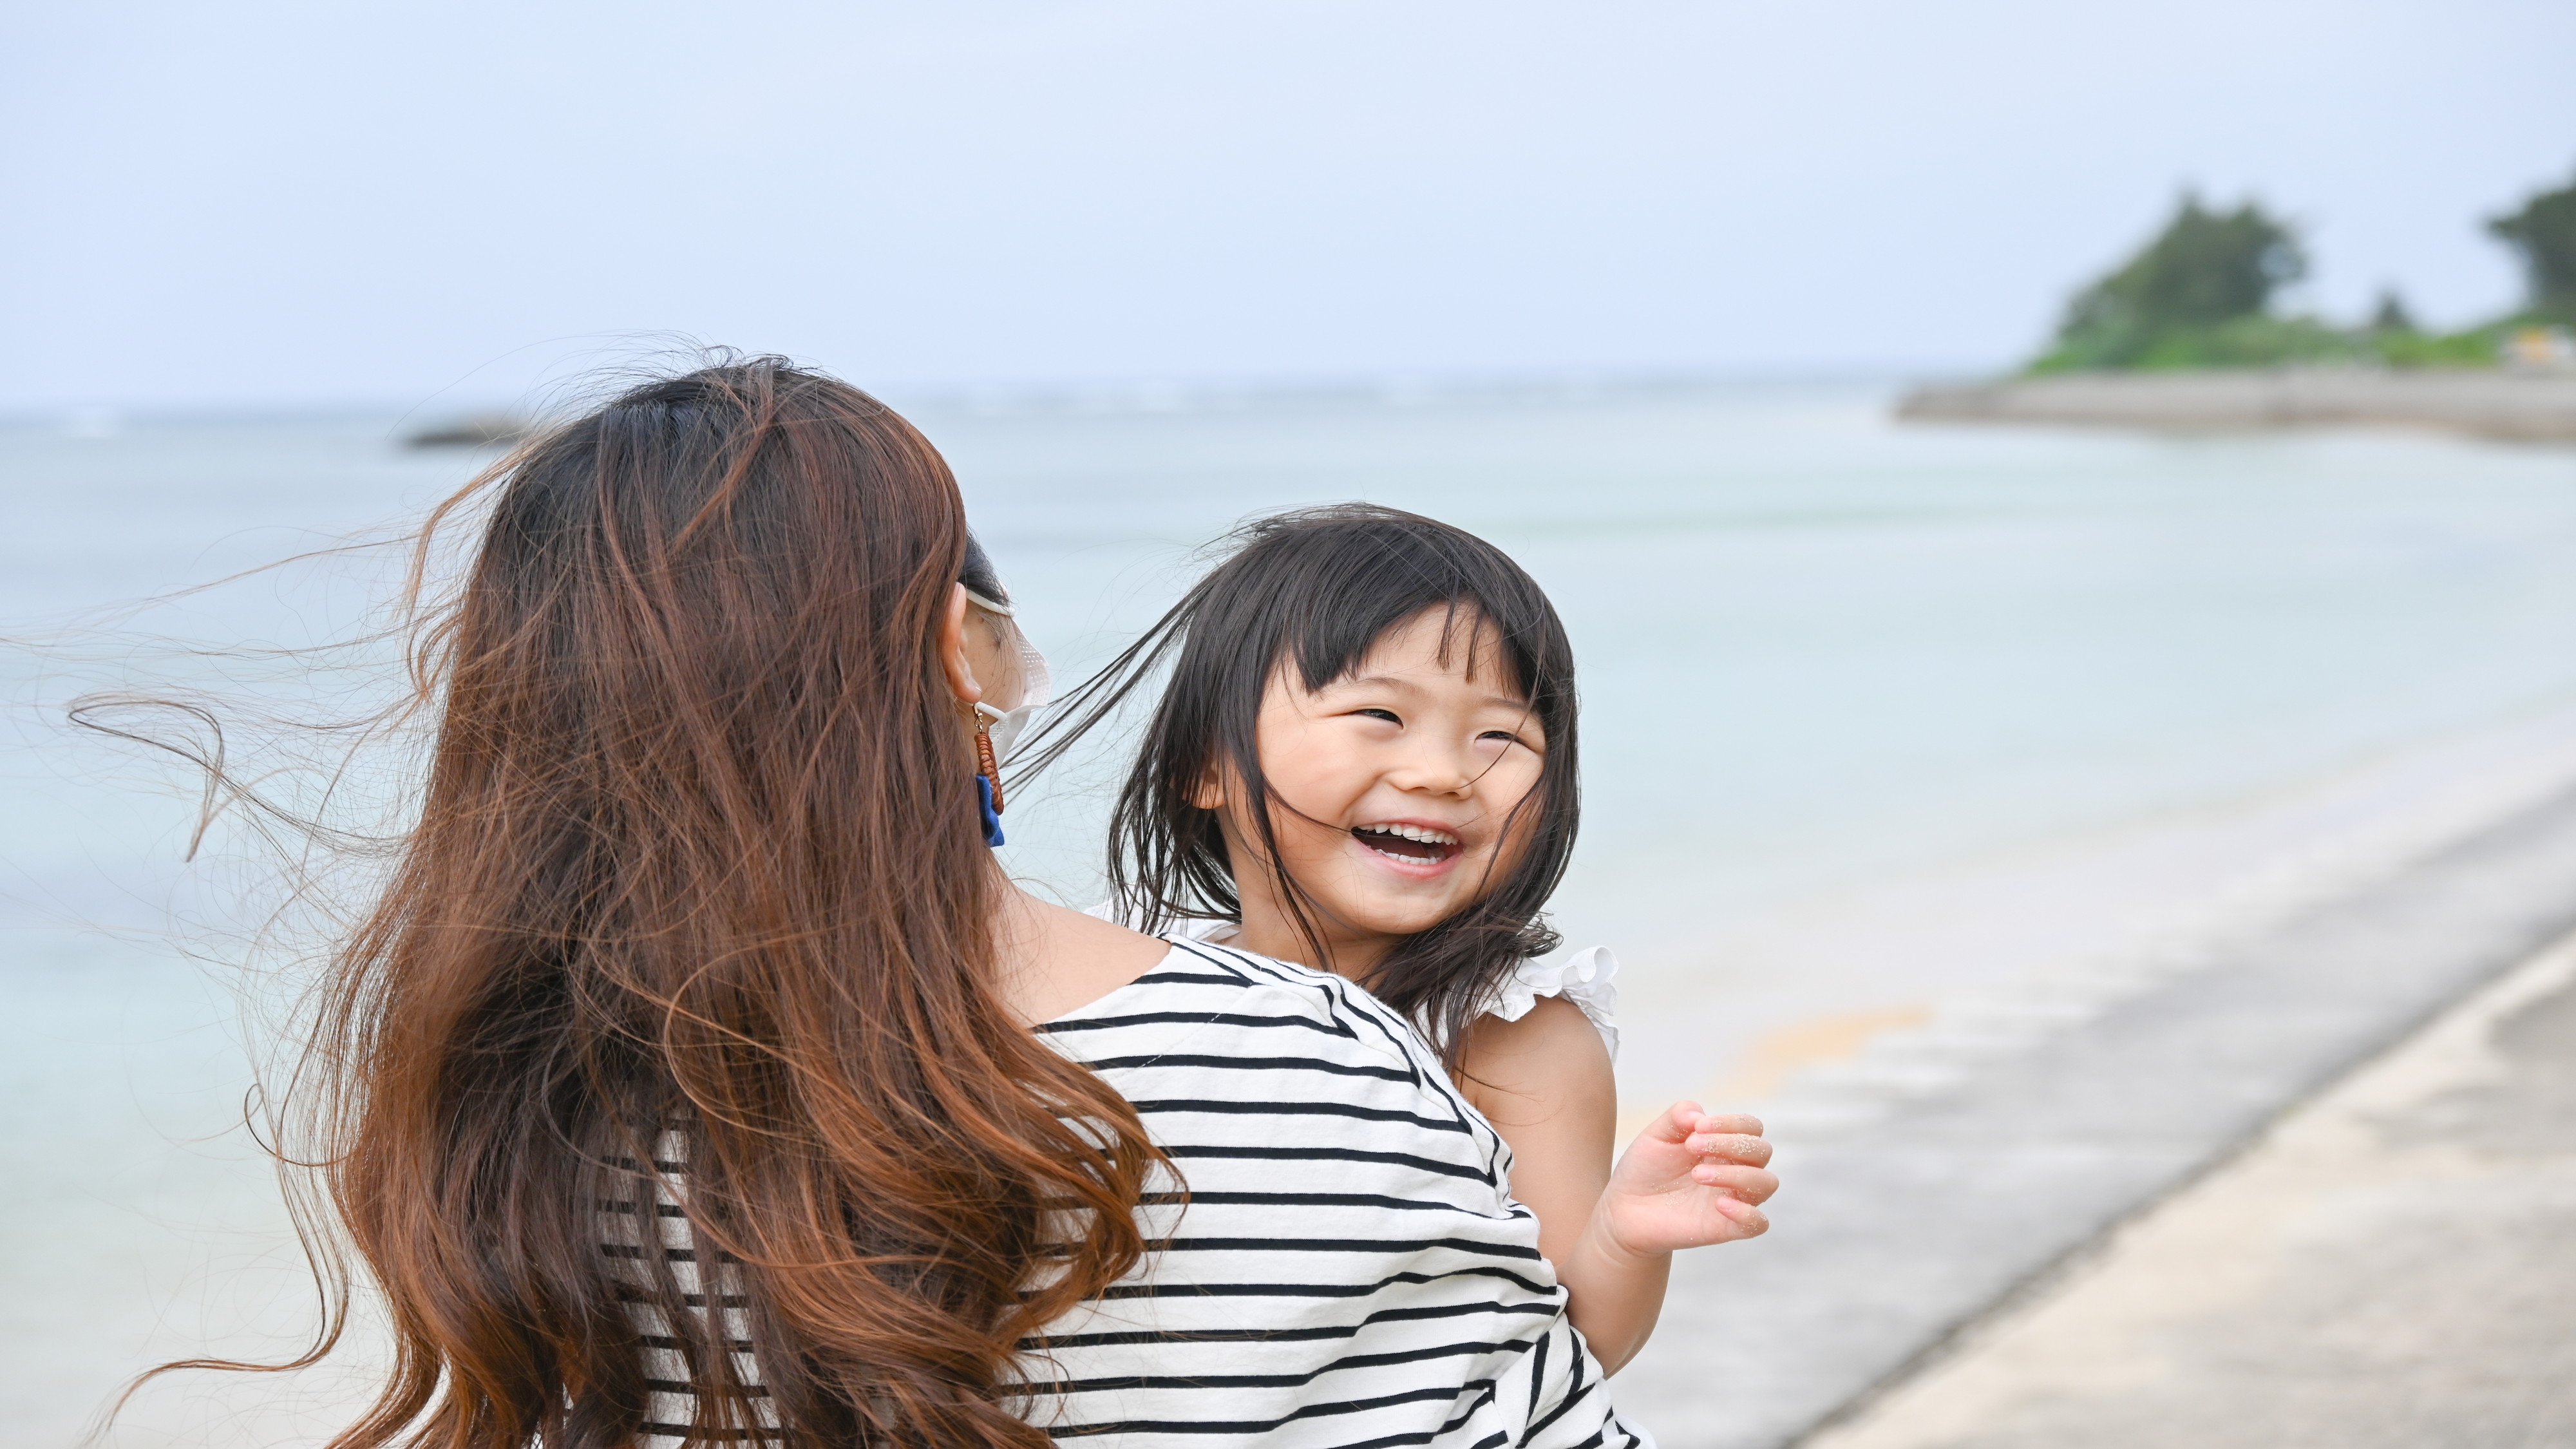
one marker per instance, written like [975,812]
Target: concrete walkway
[2393,1264]
[1911,1223]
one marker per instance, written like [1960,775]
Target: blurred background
[1890,726]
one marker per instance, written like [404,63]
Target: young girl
[1364,760]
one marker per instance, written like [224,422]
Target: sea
[1881,723]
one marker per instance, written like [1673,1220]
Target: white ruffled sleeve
[1588,978]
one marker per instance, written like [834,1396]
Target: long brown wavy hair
[699,851]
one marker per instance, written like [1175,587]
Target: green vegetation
[2476,347]
[2544,231]
[2200,295]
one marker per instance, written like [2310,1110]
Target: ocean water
[1875,718]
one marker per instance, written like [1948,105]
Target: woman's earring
[988,784]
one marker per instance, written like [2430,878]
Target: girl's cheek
[1513,781]
[1513,804]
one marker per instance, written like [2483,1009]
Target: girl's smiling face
[1393,788]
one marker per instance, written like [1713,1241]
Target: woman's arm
[1544,1082]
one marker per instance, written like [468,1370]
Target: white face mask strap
[1036,680]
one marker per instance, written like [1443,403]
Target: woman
[700,1078]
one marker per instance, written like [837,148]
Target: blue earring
[984,806]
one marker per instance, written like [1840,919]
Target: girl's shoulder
[1588,979]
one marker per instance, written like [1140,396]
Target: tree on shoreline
[2544,232]
[2198,295]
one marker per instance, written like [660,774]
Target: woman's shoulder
[1203,954]
[1587,979]
[1207,996]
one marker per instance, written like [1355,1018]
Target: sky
[272,205]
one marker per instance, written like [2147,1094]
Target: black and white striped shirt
[1347,1267]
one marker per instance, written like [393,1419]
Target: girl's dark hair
[697,853]
[1315,589]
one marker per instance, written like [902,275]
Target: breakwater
[2538,407]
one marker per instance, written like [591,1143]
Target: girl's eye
[1385,714]
[1505,736]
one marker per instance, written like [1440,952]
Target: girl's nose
[1435,772]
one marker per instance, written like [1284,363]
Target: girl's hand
[1689,1180]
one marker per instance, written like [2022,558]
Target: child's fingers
[1678,1122]
[1736,1123]
[1750,1221]
[1733,1146]
[1685,1119]
[1744,1184]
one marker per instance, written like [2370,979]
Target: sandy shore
[2524,406]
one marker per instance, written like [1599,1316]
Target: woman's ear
[1210,792]
[952,649]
